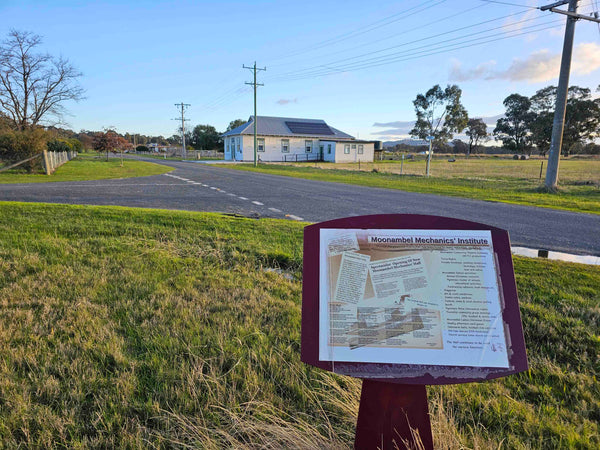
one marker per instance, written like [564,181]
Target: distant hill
[410,142]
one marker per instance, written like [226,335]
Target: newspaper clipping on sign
[410,297]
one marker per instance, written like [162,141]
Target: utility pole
[254,69]
[562,91]
[183,106]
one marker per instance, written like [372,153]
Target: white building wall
[353,156]
[328,151]
[243,149]
[273,148]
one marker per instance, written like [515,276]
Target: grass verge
[579,193]
[89,168]
[131,328]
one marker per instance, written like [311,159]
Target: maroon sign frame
[410,373]
[393,409]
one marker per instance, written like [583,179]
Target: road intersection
[203,187]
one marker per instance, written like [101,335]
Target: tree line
[525,127]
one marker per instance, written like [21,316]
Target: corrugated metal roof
[276,126]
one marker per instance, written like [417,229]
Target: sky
[358,65]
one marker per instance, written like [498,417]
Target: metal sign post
[429,153]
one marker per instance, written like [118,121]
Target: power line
[404,32]
[423,39]
[510,4]
[342,64]
[316,71]
[408,56]
[365,28]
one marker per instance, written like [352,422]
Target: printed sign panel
[410,297]
[422,299]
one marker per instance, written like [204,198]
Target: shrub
[19,145]
[142,148]
[59,145]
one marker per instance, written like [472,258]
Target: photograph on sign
[410,297]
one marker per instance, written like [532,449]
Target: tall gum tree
[477,132]
[34,86]
[582,118]
[514,129]
[439,114]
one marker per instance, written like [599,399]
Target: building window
[239,141]
[308,146]
[321,147]
[285,146]
[361,149]
[347,149]
[353,146]
[260,146]
[329,149]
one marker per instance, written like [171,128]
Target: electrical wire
[404,32]
[424,53]
[338,63]
[510,4]
[337,66]
[365,29]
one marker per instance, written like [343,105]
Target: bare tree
[34,86]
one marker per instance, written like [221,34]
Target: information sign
[410,297]
[404,301]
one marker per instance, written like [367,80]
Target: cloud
[401,129]
[517,22]
[538,67]
[394,130]
[285,101]
[398,124]
[457,73]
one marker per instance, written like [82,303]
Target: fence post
[46,162]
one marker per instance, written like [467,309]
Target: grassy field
[491,179]
[86,167]
[131,328]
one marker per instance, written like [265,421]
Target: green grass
[483,179]
[88,168]
[132,328]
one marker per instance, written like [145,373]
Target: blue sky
[354,64]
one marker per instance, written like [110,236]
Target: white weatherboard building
[287,139]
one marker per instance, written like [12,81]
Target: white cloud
[457,73]
[401,129]
[586,58]
[516,23]
[539,66]
[285,101]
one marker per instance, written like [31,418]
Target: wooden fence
[53,160]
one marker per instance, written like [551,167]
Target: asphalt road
[203,187]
